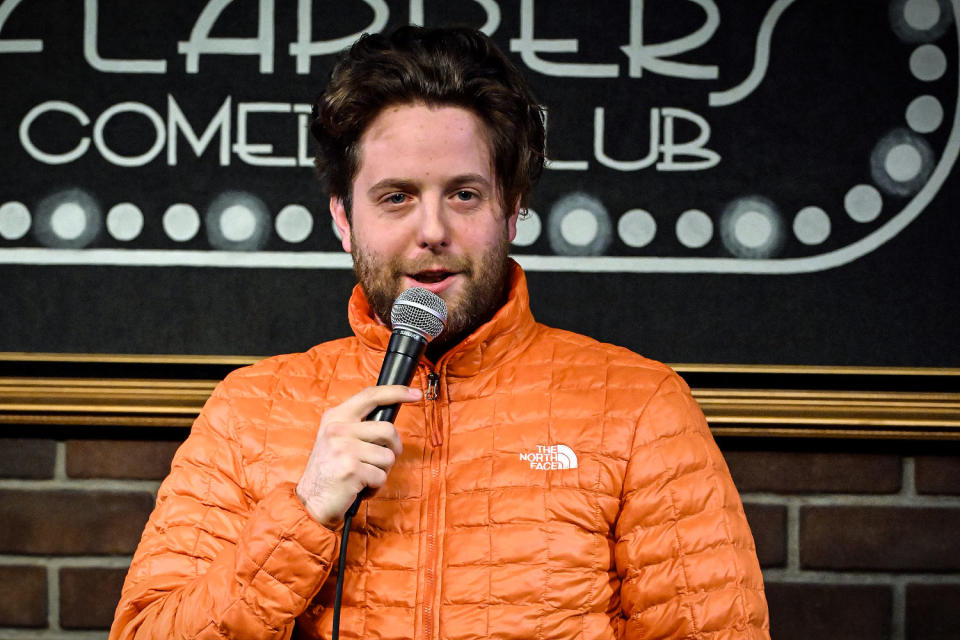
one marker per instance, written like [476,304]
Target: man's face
[427,213]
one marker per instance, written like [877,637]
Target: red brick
[938,474]
[880,538]
[88,597]
[23,596]
[769,526]
[72,522]
[27,458]
[851,612]
[132,459]
[812,472]
[933,611]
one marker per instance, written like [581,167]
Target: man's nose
[434,231]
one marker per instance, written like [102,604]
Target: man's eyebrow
[470,178]
[391,184]
[404,184]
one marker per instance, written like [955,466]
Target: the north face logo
[551,457]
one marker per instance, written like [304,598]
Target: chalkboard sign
[730,181]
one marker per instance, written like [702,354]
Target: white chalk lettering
[599,136]
[669,151]
[490,7]
[129,161]
[642,56]
[258,154]
[555,164]
[91,51]
[416,12]
[166,132]
[694,148]
[177,121]
[305,47]
[662,151]
[201,43]
[15,46]
[303,149]
[528,46]
[651,56]
[53,158]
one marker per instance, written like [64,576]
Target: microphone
[418,316]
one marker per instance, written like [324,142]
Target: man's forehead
[413,136]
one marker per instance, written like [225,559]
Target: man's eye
[397,198]
[465,195]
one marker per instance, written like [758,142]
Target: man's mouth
[431,277]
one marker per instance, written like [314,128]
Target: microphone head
[421,311]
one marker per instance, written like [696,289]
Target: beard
[483,293]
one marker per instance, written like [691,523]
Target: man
[536,484]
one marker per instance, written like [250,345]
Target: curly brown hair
[454,66]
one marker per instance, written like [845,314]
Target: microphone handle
[399,365]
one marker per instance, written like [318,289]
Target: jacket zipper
[432,380]
[436,439]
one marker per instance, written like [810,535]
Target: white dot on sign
[181,222]
[863,203]
[237,223]
[928,63]
[529,228]
[637,228]
[14,220]
[579,227]
[753,229]
[68,221]
[125,221]
[294,223]
[811,225]
[694,228]
[925,114]
[921,14]
[903,162]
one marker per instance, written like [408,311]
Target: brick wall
[71,515]
[856,539]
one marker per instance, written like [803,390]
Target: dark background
[838,82]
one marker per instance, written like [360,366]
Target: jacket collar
[496,341]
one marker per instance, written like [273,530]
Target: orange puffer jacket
[550,487]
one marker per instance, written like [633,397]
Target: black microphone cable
[342,565]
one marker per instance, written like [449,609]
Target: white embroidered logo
[551,457]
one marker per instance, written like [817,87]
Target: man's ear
[512,222]
[340,219]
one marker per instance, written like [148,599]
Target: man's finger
[358,406]
[381,434]
[375,455]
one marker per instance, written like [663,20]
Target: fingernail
[415,393]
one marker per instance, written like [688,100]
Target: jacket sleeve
[211,562]
[684,552]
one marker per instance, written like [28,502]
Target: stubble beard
[483,294]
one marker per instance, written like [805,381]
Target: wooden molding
[831,414]
[886,402]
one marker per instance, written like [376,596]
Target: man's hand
[349,454]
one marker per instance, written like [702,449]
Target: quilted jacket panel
[556,487]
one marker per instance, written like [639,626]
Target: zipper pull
[432,381]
